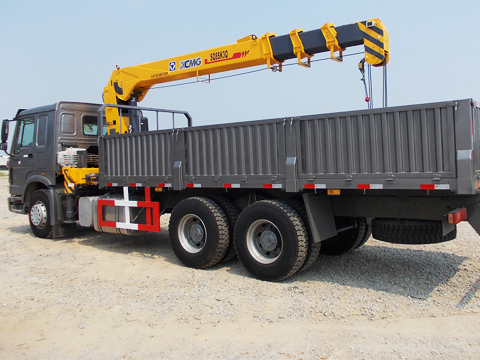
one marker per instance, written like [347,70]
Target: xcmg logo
[190,63]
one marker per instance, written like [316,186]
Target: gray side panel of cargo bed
[393,148]
[245,149]
[251,153]
[387,145]
[137,158]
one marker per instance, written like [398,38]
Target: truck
[275,193]
[4,162]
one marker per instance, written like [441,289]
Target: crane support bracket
[330,35]
[298,49]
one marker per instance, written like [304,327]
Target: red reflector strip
[112,184]
[457,216]
[369,186]
[136,185]
[315,186]
[194,185]
[272,186]
[427,187]
[435,187]
[106,202]
[165,185]
[231,186]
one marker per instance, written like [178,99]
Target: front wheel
[199,232]
[271,240]
[39,214]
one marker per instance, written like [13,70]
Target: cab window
[42,130]
[90,126]
[25,132]
[69,124]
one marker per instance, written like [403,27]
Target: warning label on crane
[223,56]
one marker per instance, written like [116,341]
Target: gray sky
[66,50]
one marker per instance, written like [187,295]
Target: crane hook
[361,67]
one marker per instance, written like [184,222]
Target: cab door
[22,150]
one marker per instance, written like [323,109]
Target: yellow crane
[129,85]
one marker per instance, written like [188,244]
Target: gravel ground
[102,296]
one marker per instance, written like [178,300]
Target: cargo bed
[419,147]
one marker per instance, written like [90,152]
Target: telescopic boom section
[130,85]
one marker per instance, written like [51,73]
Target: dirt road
[100,296]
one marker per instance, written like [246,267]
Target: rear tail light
[456,216]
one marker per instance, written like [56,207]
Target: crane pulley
[129,85]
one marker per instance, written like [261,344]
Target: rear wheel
[199,232]
[39,214]
[231,212]
[271,240]
[368,233]
[313,247]
[347,240]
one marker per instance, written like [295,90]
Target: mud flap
[320,216]
[473,211]
[446,226]
[59,231]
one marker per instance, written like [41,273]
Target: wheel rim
[264,241]
[38,214]
[192,233]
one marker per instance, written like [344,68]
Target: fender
[44,182]
[36,182]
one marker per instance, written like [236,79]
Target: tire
[367,235]
[231,211]
[313,247]
[246,200]
[347,240]
[271,240]
[39,214]
[199,232]
[412,232]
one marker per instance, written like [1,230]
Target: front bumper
[15,204]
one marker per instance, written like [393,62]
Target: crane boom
[130,84]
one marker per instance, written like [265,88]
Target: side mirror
[3,146]
[4,131]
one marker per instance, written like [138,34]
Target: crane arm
[131,84]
